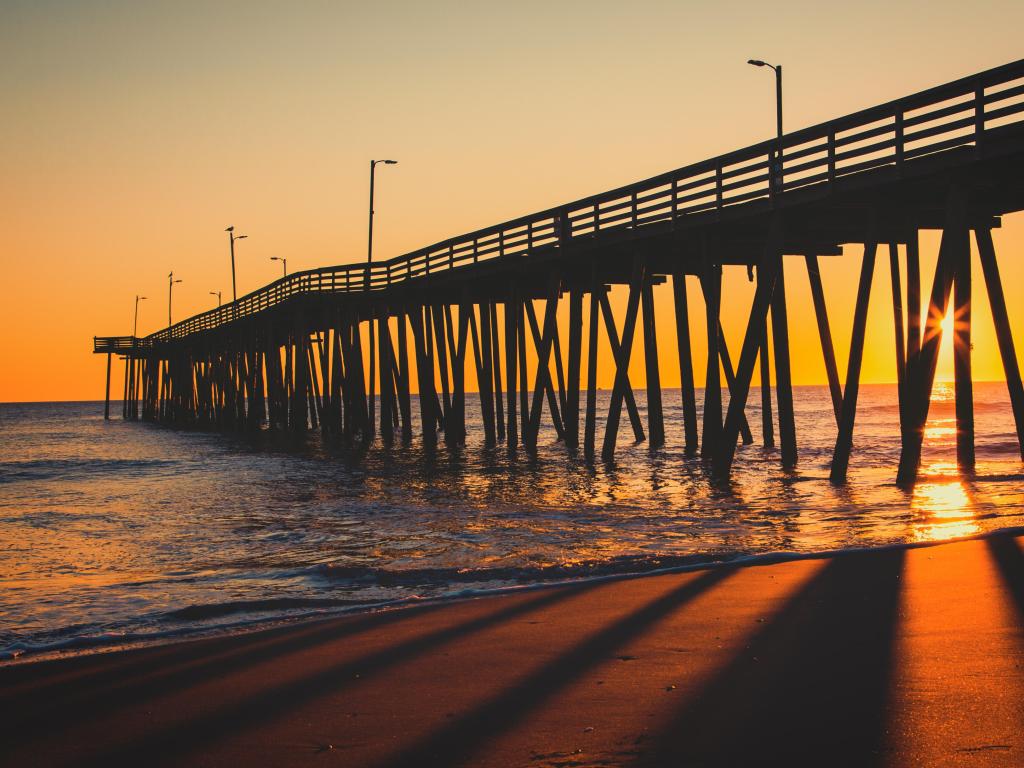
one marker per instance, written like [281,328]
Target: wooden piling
[484,373]
[404,396]
[590,419]
[686,387]
[496,370]
[425,376]
[106,399]
[913,295]
[511,341]
[1004,336]
[783,379]
[921,370]
[571,411]
[711,284]
[655,417]
[963,385]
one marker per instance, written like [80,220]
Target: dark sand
[894,657]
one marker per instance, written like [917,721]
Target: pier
[290,356]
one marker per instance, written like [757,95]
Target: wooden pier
[289,357]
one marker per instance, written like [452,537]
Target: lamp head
[230,229]
[141,298]
[757,62]
[240,237]
[390,162]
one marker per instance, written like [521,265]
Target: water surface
[114,532]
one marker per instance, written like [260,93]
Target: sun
[947,324]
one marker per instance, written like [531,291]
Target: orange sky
[133,134]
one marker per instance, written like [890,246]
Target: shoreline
[851,655]
[87,647]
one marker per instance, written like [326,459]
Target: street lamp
[217,294]
[766,389]
[170,290]
[135,325]
[369,261]
[778,111]
[284,263]
[233,237]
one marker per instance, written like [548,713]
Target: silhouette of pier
[289,356]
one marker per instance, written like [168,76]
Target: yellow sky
[134,133]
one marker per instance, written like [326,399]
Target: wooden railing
[950,116]
[119,344]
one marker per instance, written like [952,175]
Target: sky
[133,133]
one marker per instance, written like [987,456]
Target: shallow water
[114,532]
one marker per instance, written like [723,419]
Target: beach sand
[888,657]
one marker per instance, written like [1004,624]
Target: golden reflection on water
[943,508]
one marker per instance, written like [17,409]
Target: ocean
[116,533]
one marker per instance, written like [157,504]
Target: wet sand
[895,657]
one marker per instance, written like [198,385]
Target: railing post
[501,243]
[529,236]
[899,141]
[632,208]
[597,218]
[831,157]
[718,187]
[564,228]
[979,118]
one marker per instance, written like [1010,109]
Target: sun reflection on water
[942,505]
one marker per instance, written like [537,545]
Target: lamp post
[369,261]
[135,324]
[778,111]
[284,263]
[217,294]
[233,237]
[766,389]
[170,291]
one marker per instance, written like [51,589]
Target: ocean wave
[421,577]
[63,469]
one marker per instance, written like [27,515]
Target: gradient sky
[134,133]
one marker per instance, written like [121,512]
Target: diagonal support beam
[997,300]
[542,380]
[770,268]
[613,341]
[844,441]
[622,362]
[825,335]
[921,368]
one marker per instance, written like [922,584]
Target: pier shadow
[459,741]
[143,682]
[810,688]
[1009,559]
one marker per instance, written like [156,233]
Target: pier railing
[947,117]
